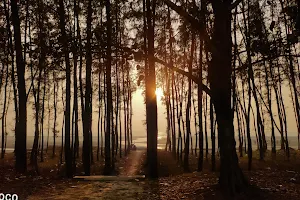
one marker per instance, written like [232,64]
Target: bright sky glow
[159,94]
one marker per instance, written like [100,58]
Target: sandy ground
[101,189]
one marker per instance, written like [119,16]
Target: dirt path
[103,189]
[132,164]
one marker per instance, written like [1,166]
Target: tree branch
[245,66]
[194,22]
[31,85]
[187,74]
[197,25]
[272,118]
[235,4]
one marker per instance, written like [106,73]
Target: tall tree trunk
[36,95]
[125,111]
[213,137]
[220,70]
[88,94]
[21,129]
[188,109]
[107,168]
[269,95]
[3,113]
[151,104]
[5,122]
[179,142]
[62,132]
[12,55]
[64,39]
[75,57]
[196,127]
[252,81]
[205,128]
[49,114]
[43,115]
[99,113]
[41,66]
[200,96]
[55,113]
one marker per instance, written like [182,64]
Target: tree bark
[64,39]
[107,169]
[151,104]
[88,93]
[220,70]
[21,129]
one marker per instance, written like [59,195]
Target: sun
[159,93]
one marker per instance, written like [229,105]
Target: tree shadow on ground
[152,190]
[215,193]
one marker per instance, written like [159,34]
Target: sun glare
[159,93]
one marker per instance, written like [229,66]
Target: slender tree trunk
[36,95]
[103,116]
[88,93]
[43,115]
[55,114]
[75,89]
[179,142]
[205,128]
[200,108]
[188,107]
[3,113]
[213,137]
[125,111]
[62,139]
[64,39]
[269,95]
[99,113]
[239,131]
[107,169]
[5,122]
[49,115]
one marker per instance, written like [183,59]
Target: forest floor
[274,178]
